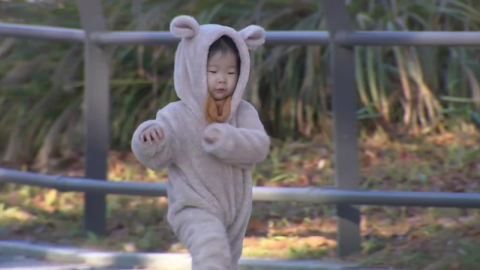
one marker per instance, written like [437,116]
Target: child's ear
[253,35]
[184,26]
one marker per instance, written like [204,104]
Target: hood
[190,74]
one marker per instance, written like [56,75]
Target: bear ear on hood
[253,35]
[184,26]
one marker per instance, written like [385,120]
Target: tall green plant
[416,87]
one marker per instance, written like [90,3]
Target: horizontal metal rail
[380,38]
[406,38]
[271,194]
[42,32]
[271,38]
[65,184]
[134,38]
[364,197]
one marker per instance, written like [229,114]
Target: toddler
[209,140]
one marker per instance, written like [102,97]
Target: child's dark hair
[224,44]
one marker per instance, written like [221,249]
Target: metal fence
[340,36]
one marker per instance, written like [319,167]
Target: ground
[413,238]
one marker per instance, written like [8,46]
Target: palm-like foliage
[42,82]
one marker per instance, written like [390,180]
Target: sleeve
[243,146]
[160,155]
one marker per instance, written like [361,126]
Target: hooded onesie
[209,183]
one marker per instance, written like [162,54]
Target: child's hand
[152,134]
[211,136]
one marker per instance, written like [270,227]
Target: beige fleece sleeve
[243,146]
[159,155]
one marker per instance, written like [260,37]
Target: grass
[412,238]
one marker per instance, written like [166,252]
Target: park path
[15,255]
[8,262]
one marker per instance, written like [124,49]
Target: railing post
[344,102]
[97,107]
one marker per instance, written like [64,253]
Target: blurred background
[414,112]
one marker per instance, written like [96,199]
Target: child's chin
[220,96]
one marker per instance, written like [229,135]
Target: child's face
[222,74]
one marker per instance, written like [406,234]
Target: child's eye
[231,73]
[212,71]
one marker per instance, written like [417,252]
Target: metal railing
[340,36]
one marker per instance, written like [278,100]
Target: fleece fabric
[209,184]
